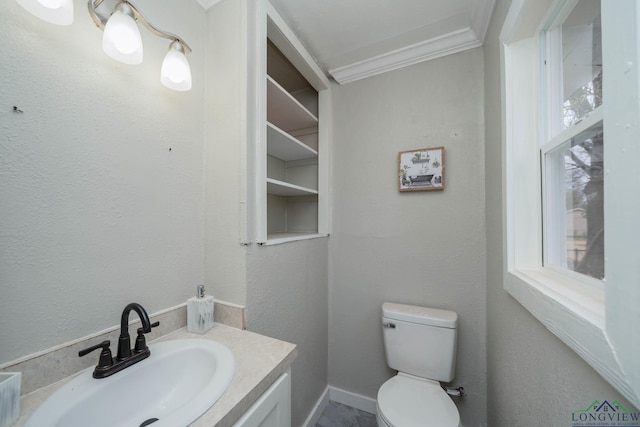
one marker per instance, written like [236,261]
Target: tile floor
[338,415]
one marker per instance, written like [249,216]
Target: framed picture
[421,170]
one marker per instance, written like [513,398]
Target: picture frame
[421,170]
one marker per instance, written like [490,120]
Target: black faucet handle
[141,342]
[153,325]
[105,355]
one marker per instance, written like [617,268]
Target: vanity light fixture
[122,41]
[176,73]
[59,12]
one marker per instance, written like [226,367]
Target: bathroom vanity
[258,395]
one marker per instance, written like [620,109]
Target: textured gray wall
[287,299]
[423,248]
[533,378]
[95,211]
[224,139]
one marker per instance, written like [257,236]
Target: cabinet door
[272,409]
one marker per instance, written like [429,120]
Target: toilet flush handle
[389,325]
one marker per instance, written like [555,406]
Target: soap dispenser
[200,312]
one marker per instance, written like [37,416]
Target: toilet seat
[407,401]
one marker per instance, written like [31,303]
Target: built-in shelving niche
[292,150]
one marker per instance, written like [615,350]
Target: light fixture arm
[101,22]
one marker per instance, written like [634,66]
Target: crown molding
[448,44]
[454,42]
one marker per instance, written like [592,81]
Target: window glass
[573,197]
[575,178]
[581,62]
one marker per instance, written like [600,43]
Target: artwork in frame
[421,170]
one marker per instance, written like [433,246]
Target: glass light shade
[176,73]
[121,39]
[59,12]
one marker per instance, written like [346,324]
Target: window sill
[555,289]
[576,315]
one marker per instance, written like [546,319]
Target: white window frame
[553,134]
[600,323]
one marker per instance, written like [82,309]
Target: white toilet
[420,343]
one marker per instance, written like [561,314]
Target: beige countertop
[260,360]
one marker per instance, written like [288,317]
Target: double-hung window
[572,141]
[571,97]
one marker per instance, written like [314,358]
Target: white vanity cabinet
[273,408]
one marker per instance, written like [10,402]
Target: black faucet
[126,357]
[124,342]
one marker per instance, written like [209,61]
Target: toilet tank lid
[420,315]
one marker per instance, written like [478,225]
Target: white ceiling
[354,39]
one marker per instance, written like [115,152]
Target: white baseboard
[354,400]
[348,398]
[316,412]
[341,396]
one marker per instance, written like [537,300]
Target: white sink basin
[176,384]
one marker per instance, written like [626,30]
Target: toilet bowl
[407,401]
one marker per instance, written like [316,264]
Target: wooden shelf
[281,188]
[285,147]
[284,111]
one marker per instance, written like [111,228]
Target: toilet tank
[420,341]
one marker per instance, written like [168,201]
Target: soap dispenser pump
[200,312]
